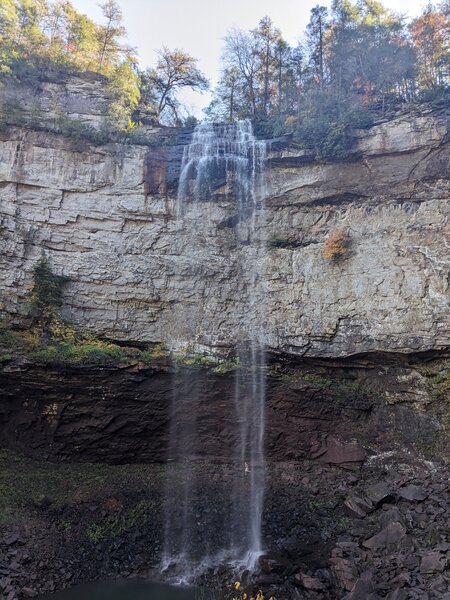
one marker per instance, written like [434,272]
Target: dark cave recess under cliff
[335,411]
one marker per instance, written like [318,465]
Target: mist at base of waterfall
[214,527]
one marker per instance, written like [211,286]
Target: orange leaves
[337,245]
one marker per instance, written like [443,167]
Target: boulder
[433,562]
[272,562]
[345,572]
[413,493]
[338,452]
[363,589]
[357,507]
[388,536]
[391,515]
[308,582]
[380,493]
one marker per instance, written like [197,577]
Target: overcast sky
[199,26]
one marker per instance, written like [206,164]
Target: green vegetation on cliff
[44,338]
[41,40]
[48,39]
[49,340]
[356,60]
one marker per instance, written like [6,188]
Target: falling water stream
[226,157]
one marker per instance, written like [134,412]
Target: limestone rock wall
[105,217]
[84,99]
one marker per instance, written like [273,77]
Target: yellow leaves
[429,33]
[61,331]
[31,338]
[244,596]
[64,346]
[290,121]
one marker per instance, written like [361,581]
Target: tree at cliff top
[38,34]
[431,38]
[368,52]
[228,103]
[358,56]
[43,37]
[268,38]
[38,37]
[117,62]
[240,58]
[250,67]
[109,37]
[315,42]
[9,22]
[175,70]
[21,31]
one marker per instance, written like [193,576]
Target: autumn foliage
[337,245]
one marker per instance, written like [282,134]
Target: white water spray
[226,158]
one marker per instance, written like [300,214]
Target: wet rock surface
[108,522]
[342,414]
[357,489]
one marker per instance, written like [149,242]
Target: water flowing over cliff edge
[220,156]
[356,367]
[106,218]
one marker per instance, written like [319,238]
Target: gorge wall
[342,415]
[105,218]
[357,367]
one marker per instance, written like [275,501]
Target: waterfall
[222,157]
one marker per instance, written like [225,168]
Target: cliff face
[336,415]
[85,99]
[105,217]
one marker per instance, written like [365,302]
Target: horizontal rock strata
[105,218]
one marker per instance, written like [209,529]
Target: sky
[199,26]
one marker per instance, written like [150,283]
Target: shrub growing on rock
[46,295]
[327,123]
[83,351]
[337,245]
[52,341]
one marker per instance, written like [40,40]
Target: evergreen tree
[315,41]
[267,37]
[31,39]
[9,26]
[342,45]
[228,103]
